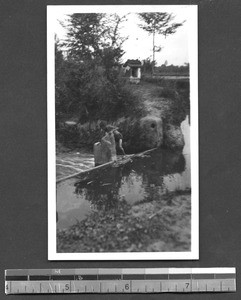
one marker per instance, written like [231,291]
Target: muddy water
[141,180]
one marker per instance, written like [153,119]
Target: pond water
[74,162]
[141,180]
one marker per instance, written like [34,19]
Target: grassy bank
[162,224]
[166,99]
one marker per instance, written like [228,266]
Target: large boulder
[141,134]
[151,132]
[173,137]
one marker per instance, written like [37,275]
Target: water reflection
[144,176]
[144,179]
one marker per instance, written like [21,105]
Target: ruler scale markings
[120,280]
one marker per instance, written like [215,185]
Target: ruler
[150,280]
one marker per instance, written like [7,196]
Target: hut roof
[132,63]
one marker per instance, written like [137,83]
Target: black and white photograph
[122,132]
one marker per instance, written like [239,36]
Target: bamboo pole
[101,166]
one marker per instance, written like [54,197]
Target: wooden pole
[101,166]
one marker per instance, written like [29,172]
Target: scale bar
[155,280]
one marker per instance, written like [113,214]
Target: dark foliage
[89,81]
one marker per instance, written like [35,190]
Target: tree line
[89,83]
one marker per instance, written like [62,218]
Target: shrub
[168,93]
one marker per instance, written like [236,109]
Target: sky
[175,47]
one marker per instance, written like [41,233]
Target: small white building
[133,70]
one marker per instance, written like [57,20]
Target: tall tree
[89,34]
[92,87]
[158,23]
[84,32]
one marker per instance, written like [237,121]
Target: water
[74,162]
[140,181]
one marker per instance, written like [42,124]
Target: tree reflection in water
[102,188]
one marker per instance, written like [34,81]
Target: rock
[138,134]
[151,131]
[141,134]
[173,138]
[71,123]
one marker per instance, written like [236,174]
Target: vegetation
[158,23]
[89,84]
[172,70]
[162,224]
[90,87]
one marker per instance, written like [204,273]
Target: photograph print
[122,132]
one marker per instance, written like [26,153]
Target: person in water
[118,142]
[108,144]
[117,136]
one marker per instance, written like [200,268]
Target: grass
[159,225]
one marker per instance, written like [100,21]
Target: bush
[91,94]
[168,93]
[182,84]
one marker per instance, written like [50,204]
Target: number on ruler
[187,285]
[127,286]
[67,287]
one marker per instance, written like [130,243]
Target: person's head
[108,129]
[103,126]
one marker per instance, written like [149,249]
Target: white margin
[52,12]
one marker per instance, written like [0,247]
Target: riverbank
[158,99]
[141,206]
[162,224]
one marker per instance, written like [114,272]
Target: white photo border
[52,12]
